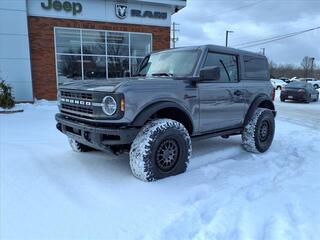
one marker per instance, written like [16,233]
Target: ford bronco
[176,95]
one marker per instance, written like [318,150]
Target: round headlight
[109,106]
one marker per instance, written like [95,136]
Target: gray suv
[176,95]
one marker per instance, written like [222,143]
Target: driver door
[221,101]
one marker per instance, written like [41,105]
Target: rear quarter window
[256,68]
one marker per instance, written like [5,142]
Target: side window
[227,64]
[256,67]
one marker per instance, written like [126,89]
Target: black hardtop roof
[220,49]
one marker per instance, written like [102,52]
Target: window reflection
[69,68]
[118,44]
[68,41]
[93,42]
[140,44]
[118,67]
[94,67]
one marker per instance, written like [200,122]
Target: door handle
[186,96]
[237,93]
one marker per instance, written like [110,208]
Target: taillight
[273,94]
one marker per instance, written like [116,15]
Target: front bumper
[98,137]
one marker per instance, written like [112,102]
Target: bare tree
[306,64]
[289,70]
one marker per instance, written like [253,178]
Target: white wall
[14,48]
[104,10]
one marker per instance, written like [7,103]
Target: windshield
[296,84]
[170,63]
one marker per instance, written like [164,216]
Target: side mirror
[210,73]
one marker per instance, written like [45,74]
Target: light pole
[263,51]
[174,38]
[312,60]
[227,35]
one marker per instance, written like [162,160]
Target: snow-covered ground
[50,192]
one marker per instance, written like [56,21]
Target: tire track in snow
[218,213]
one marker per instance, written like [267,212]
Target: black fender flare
[263,100]
[153,108]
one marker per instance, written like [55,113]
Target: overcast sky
[205,22]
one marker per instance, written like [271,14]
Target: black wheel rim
[264,131]
[167,155]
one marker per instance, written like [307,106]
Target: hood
[105,85]
[111,85]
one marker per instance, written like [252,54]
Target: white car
[278,84]
[314,82]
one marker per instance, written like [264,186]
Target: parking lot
[48,191]
[299,113]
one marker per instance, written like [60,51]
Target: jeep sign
[57,5]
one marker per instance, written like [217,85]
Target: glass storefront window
[68,41]
[93,42]
[94,67]
[118,44]
[118,67]
[134,64]
[140,44]
[69,68]
[98,54]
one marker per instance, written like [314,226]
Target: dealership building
[44,43]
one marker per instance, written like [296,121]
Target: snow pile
[49,192]
[15,109]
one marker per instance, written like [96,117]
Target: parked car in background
[299,91]
[314,82]
[278,83]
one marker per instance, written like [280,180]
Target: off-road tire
[256,137]
[316,86]
[79,147]
[145,158]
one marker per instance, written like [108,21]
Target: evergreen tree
[6,98]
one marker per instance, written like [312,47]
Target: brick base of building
[41,34]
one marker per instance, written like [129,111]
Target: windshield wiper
[224,66]
[139,75]
[162,74]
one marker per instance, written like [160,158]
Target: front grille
[76,95]
[77,108]
[77,103]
